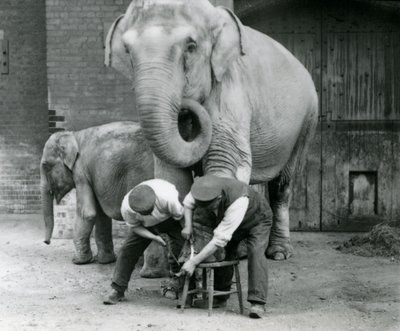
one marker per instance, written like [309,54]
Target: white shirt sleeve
[175,208]
[189,202]
[233,217]
[129,216]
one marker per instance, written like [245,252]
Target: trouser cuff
[256,300]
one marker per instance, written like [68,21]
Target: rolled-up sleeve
[189,202]
[129,216]
[233,217]
[175,208]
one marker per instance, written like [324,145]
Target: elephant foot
[155,262]
[279,249]
[106,258]
[153,272]
[83,259]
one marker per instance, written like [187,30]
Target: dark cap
[142,199]
[206,188]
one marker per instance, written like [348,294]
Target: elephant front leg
[279,247]
[103,236]
[84,223]
[82,230]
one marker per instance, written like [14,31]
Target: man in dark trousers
[150,208]
[241,213]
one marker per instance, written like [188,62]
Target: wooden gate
[360,107]
[352,176]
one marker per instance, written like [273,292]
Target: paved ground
[318,289]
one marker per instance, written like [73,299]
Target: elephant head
[176,52]
[59,155]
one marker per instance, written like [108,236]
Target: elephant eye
[191,46]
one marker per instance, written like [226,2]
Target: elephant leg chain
[174,284]
[168,248]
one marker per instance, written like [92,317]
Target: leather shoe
[256,310]
[114,297]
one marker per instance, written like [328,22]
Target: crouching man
[242,213]
[150,208]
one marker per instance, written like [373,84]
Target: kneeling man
[242,213]
[150,208]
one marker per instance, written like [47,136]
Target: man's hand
[188,268]
[186,233]
[160,240]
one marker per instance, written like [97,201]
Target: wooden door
[361,113]
[352,176]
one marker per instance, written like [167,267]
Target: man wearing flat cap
[150,208]
[241,213]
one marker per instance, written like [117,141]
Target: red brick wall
[23,105]
[80,88]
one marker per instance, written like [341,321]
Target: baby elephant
[103,163]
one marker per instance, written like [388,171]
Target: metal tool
[191,241]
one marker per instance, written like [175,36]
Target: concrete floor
[319,288]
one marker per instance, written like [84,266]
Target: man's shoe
[114,298]
[256,310]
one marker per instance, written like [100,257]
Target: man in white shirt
[150,208]
[241,213]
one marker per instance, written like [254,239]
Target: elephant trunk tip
[47,242]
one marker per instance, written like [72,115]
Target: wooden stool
[208,284]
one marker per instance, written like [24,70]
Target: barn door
[352,176]
[360,138]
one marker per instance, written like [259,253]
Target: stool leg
[210,287]
[239,288]
[185,293]
[204,287]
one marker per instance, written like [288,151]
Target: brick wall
[81,89]
[64,216]
[23,105]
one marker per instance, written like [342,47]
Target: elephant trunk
[47,207]
[159,101]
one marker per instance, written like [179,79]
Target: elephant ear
[230,43]
[68,149]
[115,52]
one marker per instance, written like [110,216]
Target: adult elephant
[103,163]
[253,104]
